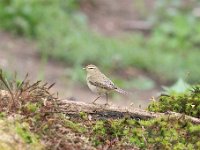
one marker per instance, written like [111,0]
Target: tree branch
[98,111]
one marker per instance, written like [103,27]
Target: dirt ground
[106,17]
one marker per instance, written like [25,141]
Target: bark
[98,111]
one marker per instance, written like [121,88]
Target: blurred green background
[165,46]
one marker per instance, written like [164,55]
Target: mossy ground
[39,114]
[162,133]
[15,134]
[187,102]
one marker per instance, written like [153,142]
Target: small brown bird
[99,83]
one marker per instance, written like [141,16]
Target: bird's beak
[84,68]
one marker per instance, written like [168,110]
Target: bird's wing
[105,84]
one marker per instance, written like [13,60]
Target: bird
[100,83]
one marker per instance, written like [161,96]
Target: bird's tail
[122,91]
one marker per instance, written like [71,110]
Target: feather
[122,91]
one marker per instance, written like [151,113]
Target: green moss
[83,115]
[188,102]
[76,127]
[32,107]
[195,130]
[23,131]
[163,133]
[23,138]
[2,114]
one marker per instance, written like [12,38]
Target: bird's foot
[93,102]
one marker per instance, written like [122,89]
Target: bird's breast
[92,87]
[95,89]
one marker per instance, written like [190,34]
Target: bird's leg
[106,99]
[96,99]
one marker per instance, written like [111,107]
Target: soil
[107,17]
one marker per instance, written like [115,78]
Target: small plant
[22,93]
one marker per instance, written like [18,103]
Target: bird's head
[91,69]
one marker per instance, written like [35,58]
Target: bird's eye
[90,68]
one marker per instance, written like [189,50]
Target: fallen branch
[98,111]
